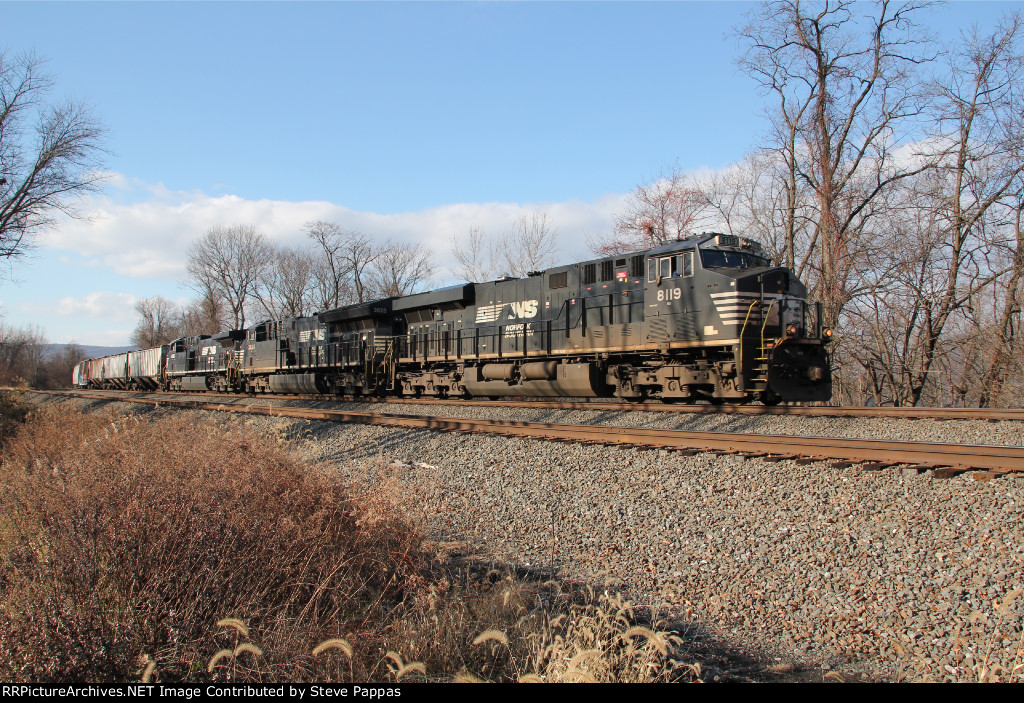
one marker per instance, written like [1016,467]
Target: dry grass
[161,551]
[12,414]
[497,627]
[1004,629]
[125,538]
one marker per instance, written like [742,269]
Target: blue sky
[412,121]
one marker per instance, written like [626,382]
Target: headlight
[826,334]
[792,330]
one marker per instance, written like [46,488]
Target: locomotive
[705,317]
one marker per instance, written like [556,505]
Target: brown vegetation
[133,547]
[126,539]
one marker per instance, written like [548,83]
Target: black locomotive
[702,318]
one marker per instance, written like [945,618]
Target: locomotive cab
[730,325]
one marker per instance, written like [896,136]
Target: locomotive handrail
[765,322]
[744,329]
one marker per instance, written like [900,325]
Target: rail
[908,413]
[996,459]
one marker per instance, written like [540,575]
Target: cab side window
[684,265]
[680,266]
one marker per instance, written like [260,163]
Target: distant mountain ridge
[90,351]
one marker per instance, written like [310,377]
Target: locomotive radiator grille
[658,328]
[733,307]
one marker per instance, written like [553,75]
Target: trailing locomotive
[702,318]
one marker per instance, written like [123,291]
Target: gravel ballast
[920,430]
[886,574]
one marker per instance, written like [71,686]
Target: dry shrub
[125,541]
[598,640]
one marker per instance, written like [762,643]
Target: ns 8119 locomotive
[702,318]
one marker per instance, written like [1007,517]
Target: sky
[408,121]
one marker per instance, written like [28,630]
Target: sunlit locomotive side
[703,318]
[707,317]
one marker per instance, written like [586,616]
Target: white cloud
[102,305]
[148,237]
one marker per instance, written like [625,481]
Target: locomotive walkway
[942,459]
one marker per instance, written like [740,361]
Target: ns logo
[491,313]
[527,308]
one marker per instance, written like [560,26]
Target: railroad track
[942,459]
[987,414]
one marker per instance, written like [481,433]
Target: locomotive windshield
[717,258]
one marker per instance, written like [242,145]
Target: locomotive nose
[776,280]
[799,371]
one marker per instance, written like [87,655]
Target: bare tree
[285,288]
[759,198]
[665,208]
[1004,359]
[345,257]
[844,85]
[475,255]
[227,262]
[944,316]
[21,353]
[980,138]
[530,245]
[49,154]
[329,284]
[159,322]
[56,369]
[400,269]
[206,315]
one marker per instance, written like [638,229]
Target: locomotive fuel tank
[536,379]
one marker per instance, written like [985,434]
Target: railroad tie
[878,465]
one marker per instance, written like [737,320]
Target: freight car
[702,318]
